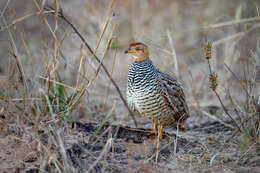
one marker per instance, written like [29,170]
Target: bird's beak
[128,51]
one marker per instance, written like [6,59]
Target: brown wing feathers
[173,95]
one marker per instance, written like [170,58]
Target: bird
[154,94]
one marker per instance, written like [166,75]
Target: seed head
[207,50]
[213,83]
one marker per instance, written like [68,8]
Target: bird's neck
[140,71]
[143,62]
[142,66]
[141,58]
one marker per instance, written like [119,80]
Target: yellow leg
[160,132]
[155,129]
[158,143]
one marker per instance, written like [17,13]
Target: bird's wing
[173,95]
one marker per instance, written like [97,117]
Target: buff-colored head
[139,51]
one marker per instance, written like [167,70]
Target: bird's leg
[158,142]
[160,132]
[155,129]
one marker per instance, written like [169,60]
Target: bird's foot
[154,132]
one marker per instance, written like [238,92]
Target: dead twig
[97,59]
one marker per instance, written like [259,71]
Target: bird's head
[139,51]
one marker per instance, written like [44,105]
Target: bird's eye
[137,48]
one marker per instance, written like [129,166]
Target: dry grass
[62,62]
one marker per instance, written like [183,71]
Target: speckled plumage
[155,95]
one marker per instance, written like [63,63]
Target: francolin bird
[154,94]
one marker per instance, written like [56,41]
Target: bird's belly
[152,106]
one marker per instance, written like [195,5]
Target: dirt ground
[125,149]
